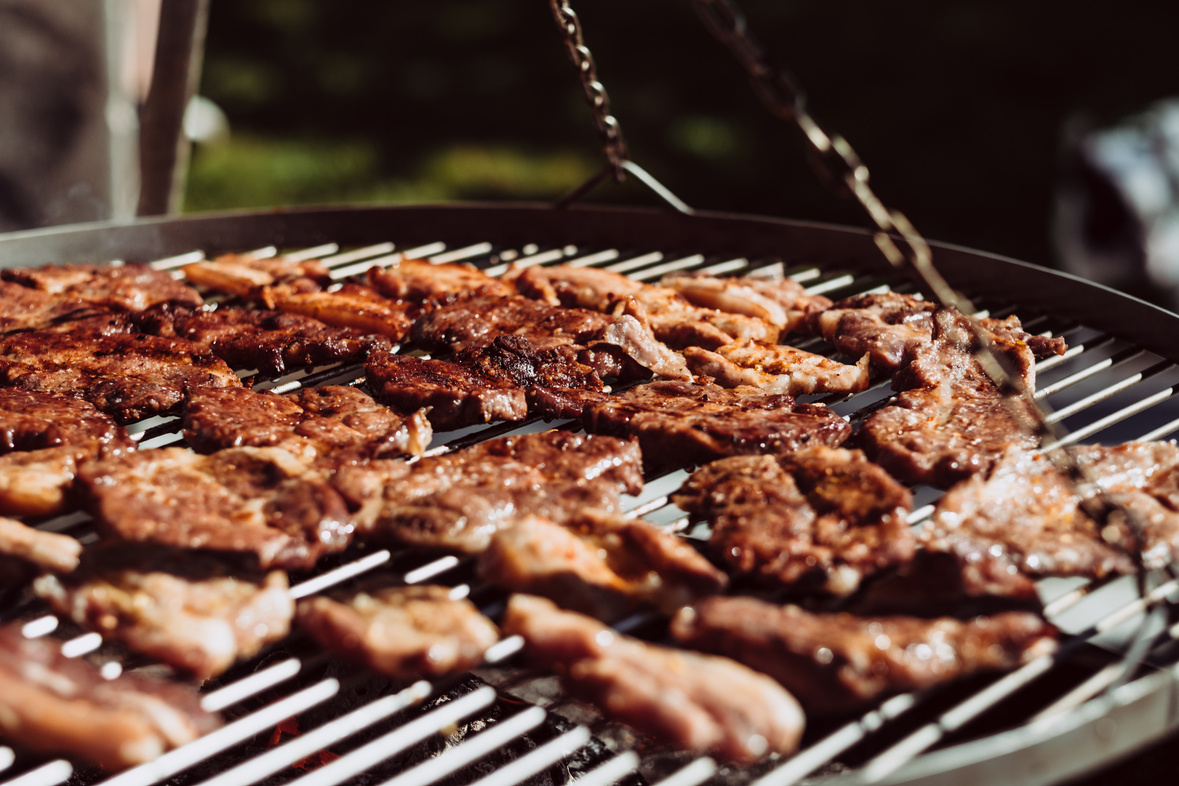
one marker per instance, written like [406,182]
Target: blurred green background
[958,108]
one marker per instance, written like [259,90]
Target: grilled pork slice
[777,368]
[271,341]
[186,608]
[428,283]
[260,501]
[130,288]
[323,423]
[405,632]
[700,703]
[599,564]
[23,308]
[129,376]
[836,663]
[1025,519]
[352,306]
[819,516]
[884,326]
[781,301]
[245,275]
[47,550]
[679,424]
[56,705]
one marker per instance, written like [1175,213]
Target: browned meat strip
[679,424]
[599,564]
[823,516]
[23,308]
[699,703]
[419,281]
[130,287]
[271,341]
[259,501]
[187,608]
[777,368]
[352,306]
[128,376]
[312,423]
[837,662]
[405,632]
[246,275]
[781,301]
[47,550]
[522,362]
[56,705]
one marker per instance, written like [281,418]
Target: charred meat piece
[312,423]
[130,287]
[699,703]
[260,501]
[781,301]
[246,275]
[777,368]
[271,341]
[352,306]
[405,632]
[64,706]
[836,663]
[427,283]
[186,608]
[679,424]
[819,516]
[599,564]
[519,361]
[47,550]
[129,376]
[1024,519]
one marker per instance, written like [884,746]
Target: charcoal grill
[297,716]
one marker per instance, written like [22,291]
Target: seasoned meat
[781,301]
[271,341]
[405,632]
[777,368]
[260,501]
[882,325]
[128,376]
[47,550]
[312,423]
[56,705]
[835,663]
[23,308]
[599,564]
[352,306]
[824,516]
[700,703]
[187,608]
[679,424]
[246,275]
[130,287]
[419,281]
[524,363]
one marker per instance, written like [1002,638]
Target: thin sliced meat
[47,550]
[777,368]
[779,300]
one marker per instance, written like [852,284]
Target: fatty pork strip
[599,564]
[54,705]
[680,424]
[673,319]
[820,517]
[43,440]
[129,376]
[255,501]
[404,632]
[698,703]
[430,284]
[836,663]
[46,550]
[190,609]
[326,424]
[245,275]
[457,501]
[950,421]
[272,342]
[619,347]
[773,298]
[351,306]
[128,288]
[884,326]
[1024,519]
[777,368]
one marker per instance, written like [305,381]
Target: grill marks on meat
[777,368]
[128,288]
[838,662]
[186,608]
[129,376]
[599,564]
[260,501]
[405,632]
[64,706]
[781,301]
[679,424]
[699,703]
[820,516]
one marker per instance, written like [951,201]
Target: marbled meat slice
[190,609]
[599,564]
[130,287]
[699,703]
[352,306]
[56,705]
[839,662]
[777,368]
[429,283]
[47,550]
[884,326]
[260,501]
[245,275]
[273,342]
[405,632]
[129,376]
[820,516]
[318,423]
[679,424]
[24,308]
[776,299]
